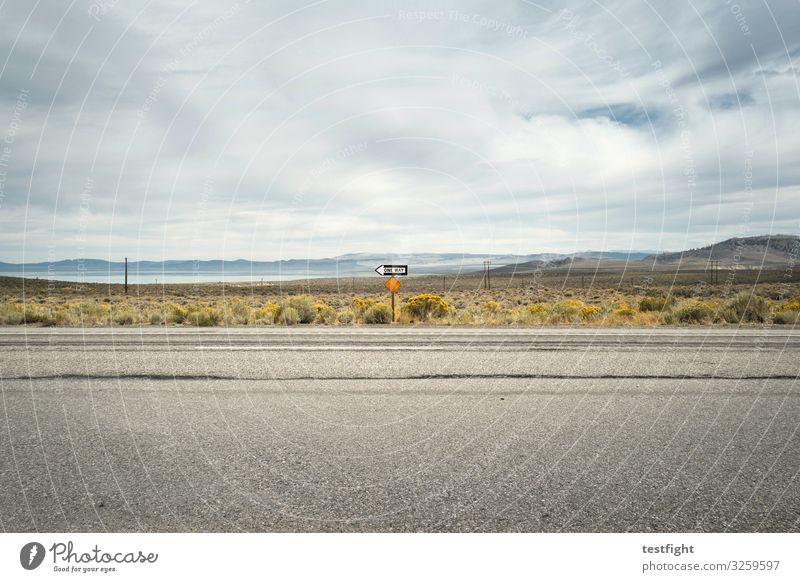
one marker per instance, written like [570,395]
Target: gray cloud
[264,132]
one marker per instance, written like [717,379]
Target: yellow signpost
[392,285]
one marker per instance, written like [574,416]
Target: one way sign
[392,270]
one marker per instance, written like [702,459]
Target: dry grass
[46,303]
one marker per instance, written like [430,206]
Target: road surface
[399,429]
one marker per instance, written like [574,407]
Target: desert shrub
[425,306]
[360,306]
[378,313]
[568,310]
[463,317]
[516,316]
[156,318]
[92,312]
[288,316]
[491,307]
[538,309]
[693,311]
[623,309]
[266,314]
[303,305]
[792,304]
[327,315]
[237,312]
[39,314]
[745,307]
[124,316]
[590,311]
[449,319]
[787,317]
[532,314]
[346,316]
[175,313]
[650,303]
[667,318]
[29,314]
[44,318]
[11,314]
[203,317]
[67,318]
[506,317]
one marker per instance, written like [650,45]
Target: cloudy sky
[268,130]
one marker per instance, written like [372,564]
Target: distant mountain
[621,255]
[752,251]
[361,264]
[344,265]
[582,260]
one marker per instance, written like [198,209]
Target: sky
[284,129]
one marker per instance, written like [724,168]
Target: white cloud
[292,131]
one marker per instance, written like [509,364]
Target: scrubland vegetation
[100,305]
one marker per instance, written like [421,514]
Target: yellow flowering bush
[623,309]
[425,306]
[538,308]
[589,311]
[694,311]
[792,304]
[360,306]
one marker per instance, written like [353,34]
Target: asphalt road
[399,429]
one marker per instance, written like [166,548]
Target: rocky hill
[746,252]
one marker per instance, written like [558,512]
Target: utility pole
[714,271]
[126,275]
[444,282]
[487,276]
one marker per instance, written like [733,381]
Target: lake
[141,277]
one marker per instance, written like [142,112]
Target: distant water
[144,277]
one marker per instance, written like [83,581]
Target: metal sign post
[392,284]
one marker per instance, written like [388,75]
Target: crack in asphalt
[167,377]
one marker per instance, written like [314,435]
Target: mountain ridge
[753,251]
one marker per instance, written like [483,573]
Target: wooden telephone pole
[126,275]
[714,271]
